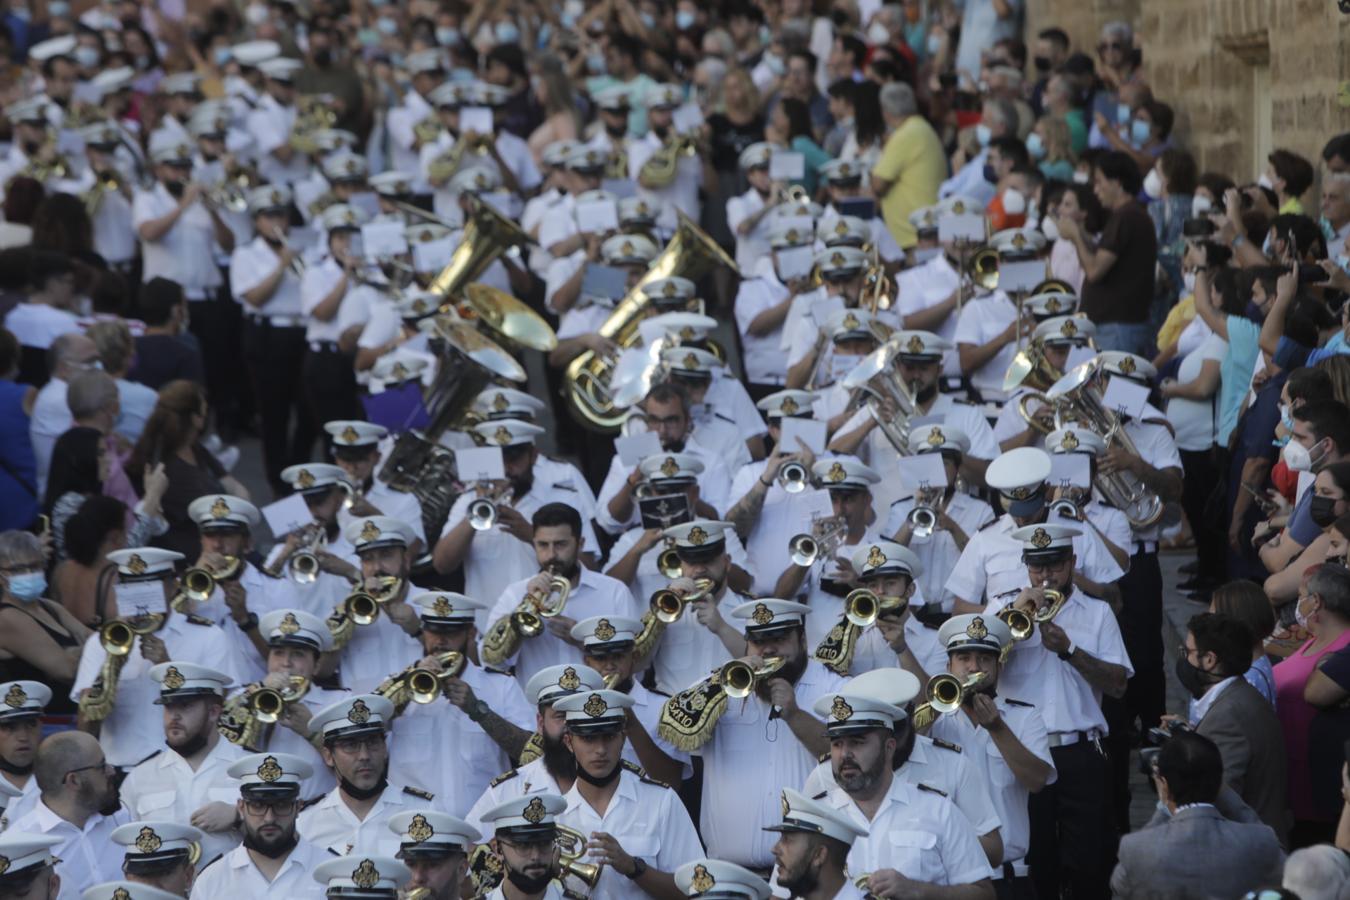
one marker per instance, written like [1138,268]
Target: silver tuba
[875,379]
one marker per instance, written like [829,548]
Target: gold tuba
[107,182]
[487,235]
[587,382]
[946,693]
[661,167]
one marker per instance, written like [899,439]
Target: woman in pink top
[1324,609]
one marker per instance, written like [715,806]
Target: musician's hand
[805,455]
[277,681]
[649,539]
[1045,418]
[215,817]
[604,849]
[892,629]
[846,572]
[513,523]
[296,718]
[402,613]
[1054,638]
[1030,599]
[191,193]
[982,711]
[598,343]
[707,613]
[891,884]
[153,649]
[561,628]
[459,693]
[1117,459]
[236,600]
[539,584]
[782,695]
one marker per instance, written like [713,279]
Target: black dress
[21,670]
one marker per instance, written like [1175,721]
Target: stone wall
[1244,76]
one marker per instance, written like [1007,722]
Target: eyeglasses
[102,764]
[356,745]
[279,808]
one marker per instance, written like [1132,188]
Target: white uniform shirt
[982,319]
[531,778]
[588,313]
[814,317]
[746,765]
[762,354]
[688,651]
[183,253]
[714,485]
[782,516]
[19,806]
[594,595]
[938,551]
[270,124]
[250,265]
[436,747]
[1066,701]
[552,892]
[88,855]
[331,824]
[164,788]
[544,207]
[918,833]
[497,558]
[1111,522]
[1156,447]
[353,309]
[925,286]
[728,400]
[135,727]
[396,504]
[991,565]
[647,708]
[376,651]
[826,608]
[879,236]
[754,246]
[401,123]
[518,158]
[681,194]
[559,225]
[114,238]
[1010,798]
[234,876]
[649,822]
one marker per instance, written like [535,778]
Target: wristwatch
[1067,654]
[477,710]
[639,869]
[249,624]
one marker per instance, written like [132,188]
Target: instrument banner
[689,717]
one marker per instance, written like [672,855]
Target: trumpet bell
[862,607]
[529,624]
[923,519]
[361,607]
[668,606]
[424,685]
[586,872]
[267,705]
[198,585]
[945,693]
[737,679]
[1018,622]
[1052,607]
[482,515]
[793,478]
[116,638]
[983,268]
[304,567]
[668,562]
[804,550]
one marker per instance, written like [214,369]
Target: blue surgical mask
[684,19]
[368,37]
[934,44]
[595,63]
[648,20]
[1140,131]
[58,9]
[1327,231]
[28,586]
[507,33]
[87,56]
[386,26]
[1122,113]
[447,37]
[774,63]
[983,134]
[1253,312]
[1035,146]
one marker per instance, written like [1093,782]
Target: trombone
[297,265]
[482,513]
[946,694]
[826,534]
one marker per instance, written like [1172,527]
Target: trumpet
[946,693]
[199,583]
[793,477]
[1066,508]
[363,606]
[302,563]
[668,606]
[418,684]
[689,718]
[297,264]
[269,705]
[482,513]
[824,539]
[739,679]
[863,607]
[526,621]
[571,848]
[1023,623]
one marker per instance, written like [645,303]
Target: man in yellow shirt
[912,164]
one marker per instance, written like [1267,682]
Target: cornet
[863,607]
[425,685]
[303,562]
[269,705]
[668,606]
[793,477]
[807,549]
[946,693]
[363,606]
[199,583]
[482,513]
[1022,624]
[526,621]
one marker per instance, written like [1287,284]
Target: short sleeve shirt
[1125,292]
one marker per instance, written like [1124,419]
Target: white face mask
[1153,184]
[1297,457]
[1014,204]
[877,35]
[1299,615]
[1049,229]
[1265,182]
[1188,279]
[1080,178]
[1200,206]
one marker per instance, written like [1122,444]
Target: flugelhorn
[268,704]
[199,582]
[668,560]
[807,549]
[945,694]
[668,606]
[117,638]
[863,607]
[362,605]
[425,685]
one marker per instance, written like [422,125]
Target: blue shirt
[18,467]
[1261,676]
[1236,372]
[1301,527]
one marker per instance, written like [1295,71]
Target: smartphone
[1262,500]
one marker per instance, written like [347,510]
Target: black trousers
[1211,537]
[329,379]
[1141,622]
[1073,838]
[275,359]
[1015,888]
[217,324]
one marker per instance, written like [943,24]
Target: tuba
[588,382]
[660,169]
[487,235]
[876,378]
[689,717]
[526,621]
[946,694]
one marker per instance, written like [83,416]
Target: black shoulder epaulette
[211,863]
[150,757]
[821,795]
[564,486]
[647,779]
[505,776]
[822,757]
[930,789]
[718,415]
[306,804]
[334,852]
[634,768]
[993,521]
[946,745]
[1012,702]
[198,620]
[418,793]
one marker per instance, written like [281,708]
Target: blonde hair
[112,339]
[1055,136]
[750,106]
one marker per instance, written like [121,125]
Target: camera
[1198,227]
[1311,273]
[1154,740]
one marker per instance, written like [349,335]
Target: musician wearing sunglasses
[274,861]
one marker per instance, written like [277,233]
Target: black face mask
[616,131]
[600,781]
[1042,63]
[357,793]
[1194,679]
[175,188]
[7,766]
[527,884]
[1322,510]
[273,850]
[925,395]
[323,58]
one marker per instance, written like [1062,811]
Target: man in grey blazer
[1234,715]
[1194,851]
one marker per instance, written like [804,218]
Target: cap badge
[366,876]
[173,679]
[349,435]
[270,770]
[1069,328]
[304,480]
[788,407]
[687,334]
[691,362]
[702,880]
[502,435]
[419,305]
[147,841]
[370,531]
[1020,493]
[841,228]
[787,807]
[1127,365]
[1040,539]
[837,259]
[136,565]
[500,403]
[220,509]
[604,631]
[419,829]
[288,624]
[850,321]
[1052,305]
[791,236]
[626,248]
[1069,441]
[359,714]
[958,207]
[697,536]
[875,557]
[669,467]
[976,630]
[915,344]
[1019,240]
[534,811]
[569,680]
[761,615]
[836,473]
[121,894]
[670,290]
[16,696]
[595,706]
[936,438]
[442,607]
[4,864]
[840,710]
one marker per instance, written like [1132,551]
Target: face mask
[368,37]
[1049,229]
[1322,510]
[684,20]
[1265,182]
[1192,678]
[447,37]
[1300,616]
[648,20]
[1153,184]
[934,44]
[28,586]
[1122,113]
[87,57]
[1268,245]
[1014,204]
[1035,146]
[1327,231]
[1200,206]
[59,9]
[221,55]
[507,33]
[1140,131]
[255,14]
[595,63]
[1080,177]
[989,174]
[774,63]
[1188,280]
[1253,312]
[142,62]
[982,134]
[1297,457]
[877,35]
[386,26]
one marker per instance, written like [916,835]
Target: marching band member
[716,878]
[363,875]
[764,301]
[717,400]
[581,315]
[638,829]
[114,238]
[159,853]
[122,712]
[454,749]
[525,840]
[1057,338]
[272,120]
[611,135]
[386,548]
[31,869]
[990,327]
[425,70]
[892,573]
[178,225]
[811,856]
[747,213]
[353,817]
[560,234]
[1110,524]
[356,450]
[435,848]
[1065,668]
[928,293]
[1016,760]
[244,83]
[274,861]
[187,783]
[321,487]
[851,338]
[508,151]
[842,270]
[692,172]
[24,703]
[558,542]
[844,181]
[391,188]
[182,92]
[549,203]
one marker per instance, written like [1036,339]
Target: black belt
[323,346]
[1008,871]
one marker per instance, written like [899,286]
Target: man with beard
[1004,738]
[639,830]
[917,840]
[356,450]
[558,542]
[382,543]
[767,742]
[553,768]
[486,720]
[79,804]
[608,643]
[263,280]
[146,584]
[495,557]
[31,870]
[352,818]
[187,782]
[22,704]
[159,854]
[666,412]
[435,849]
[811,856]
[524,837]
[274,861]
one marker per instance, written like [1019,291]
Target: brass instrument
[1022,623]
[297,264]
[230,194]
[877,378]
[269,705]
[421,685]
[486,870]
[668,560]
[302,564]
[198,584]
[946,693]
[862,608]
[571,849]
[482,513]
[56,165]
[588,380]
[117,638]
[428,130]
[506,319]
[443,167]
[313,115]
[109,181]
[825,536]
[487,235]
[661,167]
[878,293]
[793,477]
[982,269]
[526,621]
[362,606]
[668,606]
[689,717]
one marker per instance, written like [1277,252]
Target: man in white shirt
[114,238]
[1056,341]
[746,213]
[272,121]
[274,862]
[161,854]
[692,172]
[718,400]
[46,313]
[524,839]
[435,847]
[810,858]
[426,69]
[178,226]
[20,732]
[69,355]
[356,450]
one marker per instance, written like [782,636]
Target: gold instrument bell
[982,268]
[508,317]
